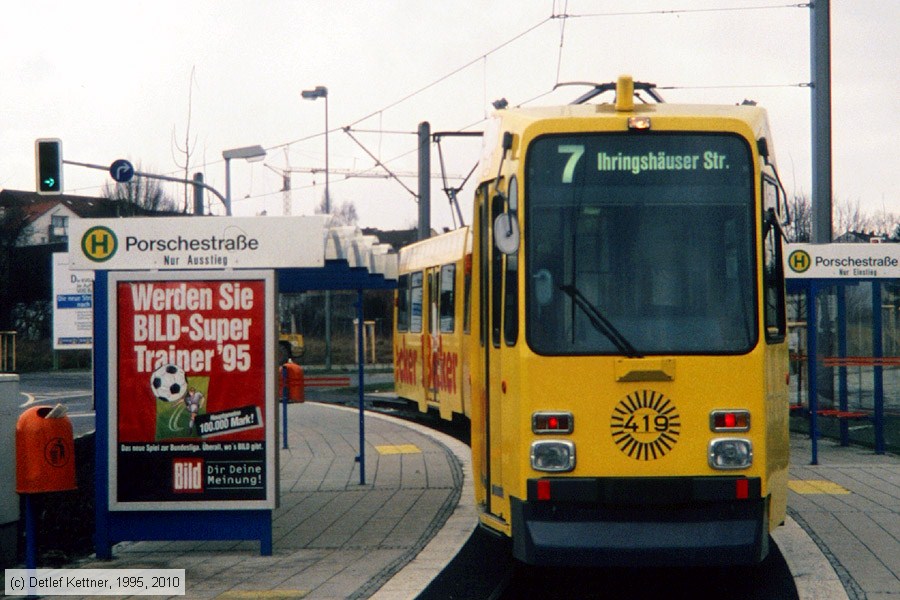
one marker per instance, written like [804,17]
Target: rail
[326,381]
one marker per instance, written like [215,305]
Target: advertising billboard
[73,306]
[192,401]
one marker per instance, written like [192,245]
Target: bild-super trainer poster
[192,391]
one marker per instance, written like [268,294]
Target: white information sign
[179,243]
[842,261]
[73,306]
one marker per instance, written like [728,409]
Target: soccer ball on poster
[169,383]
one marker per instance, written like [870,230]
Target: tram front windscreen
[640,244]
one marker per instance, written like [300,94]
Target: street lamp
[250,154]
[321,91]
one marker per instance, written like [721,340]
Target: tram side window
[448,298]
[773,269]
[496,277]
[415,303]
[403,303]
[467,295]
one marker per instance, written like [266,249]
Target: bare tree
[141,192]
[886,224]
[188,148]
[345,214]
[849,217]
[800,228]
[13,227]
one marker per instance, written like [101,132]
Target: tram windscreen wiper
[600,322]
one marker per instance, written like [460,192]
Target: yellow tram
[616,334]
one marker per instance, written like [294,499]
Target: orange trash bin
[295,381]
[45,452]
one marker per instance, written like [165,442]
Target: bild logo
[187,475]
[99,243]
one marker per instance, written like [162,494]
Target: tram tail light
[543,489]
[729,420]
[730,453]
[552,422]
[554,456]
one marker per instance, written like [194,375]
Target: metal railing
[7,351]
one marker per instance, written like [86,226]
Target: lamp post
[321,91]
[250,154]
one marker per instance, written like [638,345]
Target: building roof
[86,207]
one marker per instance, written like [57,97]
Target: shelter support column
[878,369]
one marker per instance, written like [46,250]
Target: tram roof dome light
[639,123]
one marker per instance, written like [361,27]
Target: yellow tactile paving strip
[816,486]
[399,449]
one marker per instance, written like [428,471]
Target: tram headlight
[553,456]
[730,453]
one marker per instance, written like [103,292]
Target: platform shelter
[185,373]
[846,305]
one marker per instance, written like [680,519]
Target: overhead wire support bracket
[380,164]
[453,191]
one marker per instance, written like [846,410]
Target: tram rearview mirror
[506,233]
[543,287]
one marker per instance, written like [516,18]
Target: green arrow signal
[49,182]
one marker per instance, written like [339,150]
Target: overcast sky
[114,80]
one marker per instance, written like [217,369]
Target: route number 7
[575,152]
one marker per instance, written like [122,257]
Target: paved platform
[387,539]
[332,537]
[849,506]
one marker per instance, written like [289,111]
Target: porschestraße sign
[178,243]
[842,261]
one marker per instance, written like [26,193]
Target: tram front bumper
[664,521]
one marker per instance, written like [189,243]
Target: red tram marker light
[742,489]
[543,489]
[552,422]
[729,420]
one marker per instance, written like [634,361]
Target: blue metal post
[30,535]
[842,352]
[360,358]
[878,354]
[812,352]
[102,543]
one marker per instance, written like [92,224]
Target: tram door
[417,333]
[492,264]
[447,384]
[432,339]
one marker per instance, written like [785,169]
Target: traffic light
[48,165]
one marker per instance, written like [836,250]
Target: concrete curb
[446,544]
[814,576]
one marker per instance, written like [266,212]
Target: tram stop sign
[121,170]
